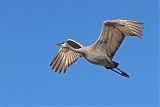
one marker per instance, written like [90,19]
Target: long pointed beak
[58,44]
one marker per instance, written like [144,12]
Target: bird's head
[62,44]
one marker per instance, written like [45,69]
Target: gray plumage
[102,51]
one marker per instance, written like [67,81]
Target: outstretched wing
[114,31]
[65,57]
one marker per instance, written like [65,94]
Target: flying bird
[102,51]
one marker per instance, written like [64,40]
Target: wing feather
[113,33]
[55,61]
[59,62]
[62,64]
[69,59]
[66,64]
[65,57]
[72,60]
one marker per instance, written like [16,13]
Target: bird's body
[102,51]
[96,56]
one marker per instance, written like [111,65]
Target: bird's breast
[94,57]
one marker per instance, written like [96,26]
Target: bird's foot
[124,74]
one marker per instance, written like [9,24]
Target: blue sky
[28,30]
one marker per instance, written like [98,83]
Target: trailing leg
[121,73]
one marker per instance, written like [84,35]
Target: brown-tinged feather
[69,60]
[72,59]
[65,68]
[62,64]
[138,26]
[136,32]
[66,64]
[135,22]
[75,57]
[56,60]
[59,62]
[133,27]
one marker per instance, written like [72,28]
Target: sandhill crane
[102,51]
